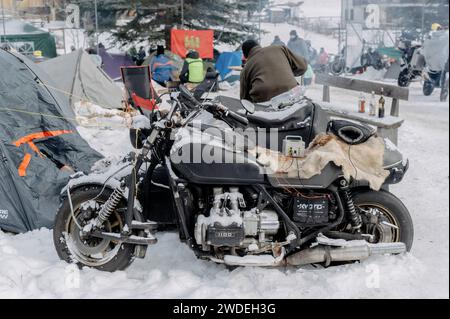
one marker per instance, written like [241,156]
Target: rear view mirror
[248,106]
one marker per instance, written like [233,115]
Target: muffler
[351,252]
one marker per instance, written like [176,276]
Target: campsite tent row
[37,137]
[83,80]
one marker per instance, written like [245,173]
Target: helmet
[37,54]
[436,27]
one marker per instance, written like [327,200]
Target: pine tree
[152,19]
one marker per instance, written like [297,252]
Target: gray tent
[37,138]
[79,78]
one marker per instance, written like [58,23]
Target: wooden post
[395,107]
[326,94]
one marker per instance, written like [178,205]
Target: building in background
[284,12]
[395,14]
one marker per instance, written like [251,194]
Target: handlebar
[226,112]
[237,117]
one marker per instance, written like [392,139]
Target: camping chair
[139,88]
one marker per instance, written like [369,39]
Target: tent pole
[96,24]
[4,22]
[182,14]
[259,21]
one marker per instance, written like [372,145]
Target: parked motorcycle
[435,51]
[234,213]
[412,62]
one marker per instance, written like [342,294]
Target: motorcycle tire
[393,208]
[125,253]
[444,92]
[404,78]
[337,67]
[428,88]
[444,85]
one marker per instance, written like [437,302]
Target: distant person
[193,69]
[308,76]
[269,71]
[152,49]
[132,52]
[277,41]
[162,67]
[141,55]
[312,53]
[297,45]
[323,58]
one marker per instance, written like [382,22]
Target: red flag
[201,41]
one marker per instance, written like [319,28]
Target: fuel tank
[206,157]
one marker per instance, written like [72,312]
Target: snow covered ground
[30,268]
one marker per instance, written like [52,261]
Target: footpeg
[144,225]
[131,239]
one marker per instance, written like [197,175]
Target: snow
[30,267]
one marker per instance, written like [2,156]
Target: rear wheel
[102,254]
[384,217]
[428,88]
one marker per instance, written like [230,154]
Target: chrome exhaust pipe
[350,252]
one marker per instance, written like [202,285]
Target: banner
[201,41]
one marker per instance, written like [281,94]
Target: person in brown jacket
[269,71]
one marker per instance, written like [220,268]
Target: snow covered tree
[152,19]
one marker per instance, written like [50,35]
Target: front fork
[132,191]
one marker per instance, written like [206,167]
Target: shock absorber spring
[109,207]
[355,218]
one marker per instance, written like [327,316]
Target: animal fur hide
[361,162]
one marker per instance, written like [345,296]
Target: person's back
[162,68]
[193,70]
[269,72]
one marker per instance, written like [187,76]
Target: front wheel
[404,78]
[71,246]
[384,217]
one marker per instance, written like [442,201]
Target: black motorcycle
[412,61]
[235,212]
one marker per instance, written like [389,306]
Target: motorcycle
[412,62]
[235,213]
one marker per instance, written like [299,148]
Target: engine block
[229,226]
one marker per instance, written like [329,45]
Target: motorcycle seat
[298,115]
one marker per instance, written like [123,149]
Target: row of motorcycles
[232,212]
[428,61]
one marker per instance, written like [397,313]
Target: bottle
[381,103]
[362,104]
[372,105]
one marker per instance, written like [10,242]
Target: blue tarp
[227,59]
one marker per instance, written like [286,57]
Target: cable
[4,109]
